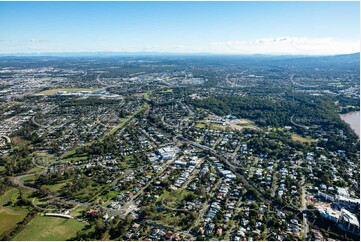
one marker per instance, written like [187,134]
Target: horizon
[226,28]
[162,54]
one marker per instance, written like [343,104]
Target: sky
[308,28]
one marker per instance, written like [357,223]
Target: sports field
[49,228]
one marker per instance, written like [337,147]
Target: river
[353,119]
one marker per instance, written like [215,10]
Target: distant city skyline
[299,28]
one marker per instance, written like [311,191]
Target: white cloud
[278,45]
[288,45]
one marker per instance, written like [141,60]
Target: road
[297,84]
[17,181]
[298,125]
[7,138]
[36,123]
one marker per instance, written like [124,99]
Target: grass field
[173,198]
[28,178]
[76,158]
[8,221]
[9,195]
[55,187]
[167,91]
[54,91]
[9,215]
[78,211]
[110,195]
[200,125]
[146,97]
[49,228]
[301,139]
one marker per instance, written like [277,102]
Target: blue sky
[212,27]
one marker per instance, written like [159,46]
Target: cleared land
[301,139]
[49,228]
[54,91]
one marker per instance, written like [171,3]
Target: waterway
[353,119]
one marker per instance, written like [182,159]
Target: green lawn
[173,198]
[28,178]
[9,215]
[8,221]
[301,139]
[146,97]
[78,211]
[8,196]
[110,195]
[55,187]
[49,228]
[200,125]
[35,169]
[76,158]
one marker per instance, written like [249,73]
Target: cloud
[288,45]
[276,45]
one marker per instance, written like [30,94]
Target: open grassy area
[173,198]
[167,91]
[35,169]
[54,91]
[9,220]
[49,228]
[28,178]
[301,139]
[9,195]
[216,127]
[110,195]
[55,187]
[10,215]
[200,125]
[146,97]
[78,211]
[76,158]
